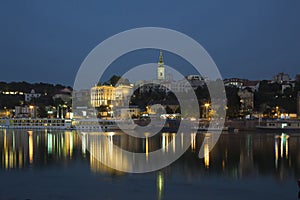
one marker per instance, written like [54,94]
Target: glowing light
[281,148]
[30,144]
[160,185]
[181,140]
[83,144]
[276,154]
[193,119]
[287,148]
[163,142]
[49,142]
[206,155]
[193,141]
[174,141]
[147,148]
[71,144]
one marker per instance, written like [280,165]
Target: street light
[32,111]
[206,105]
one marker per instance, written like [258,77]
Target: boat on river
[94,124]
[205,125]
[35,123]
[280,125]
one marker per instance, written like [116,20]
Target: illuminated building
[102,95]
[112,98]
[235,82]
[31,95]
[122,95]
[246,100]
[26,111]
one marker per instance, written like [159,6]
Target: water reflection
[160,185]
[235,155]
[21,148]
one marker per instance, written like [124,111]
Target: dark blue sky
[46,41]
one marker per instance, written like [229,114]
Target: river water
[40,164]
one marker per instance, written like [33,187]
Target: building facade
[26,111]
[102,95]
[31,95]
[246,100]
[281,77]
[105,95]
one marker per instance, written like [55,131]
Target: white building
[235,82]
[26,111]
[31,95]
[281,77]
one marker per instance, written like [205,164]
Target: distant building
[284,86]
[31,95]
[125,112]
[102,95]
[253,85]
[105,95]
[281,77]
[236,82]
[26,111]
[196,81]
[82,97]
[298,78]
[247,100]
[122,94]
[64,94]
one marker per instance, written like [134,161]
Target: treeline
[25,87]
[46,90]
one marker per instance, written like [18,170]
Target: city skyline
[48,41]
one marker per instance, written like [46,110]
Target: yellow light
[207,105]
[160,185]
[276,154]
[30,144]
[206,155]
[147,148]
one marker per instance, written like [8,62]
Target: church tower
[160,67]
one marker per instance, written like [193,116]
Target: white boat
[204,125]
[103,124]
[36,123]
[280,125]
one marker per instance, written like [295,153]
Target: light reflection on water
[244,156]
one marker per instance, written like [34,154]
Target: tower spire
[160,67]
[161,57]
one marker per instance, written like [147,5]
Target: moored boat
[280,125]
[103,124]
[36,123]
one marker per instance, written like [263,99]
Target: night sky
[46,41]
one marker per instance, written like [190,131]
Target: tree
[233,102]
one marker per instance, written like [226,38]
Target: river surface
[38,164]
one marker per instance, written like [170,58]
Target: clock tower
[160,67]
